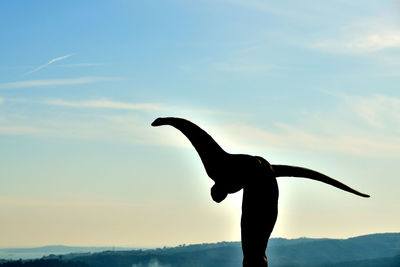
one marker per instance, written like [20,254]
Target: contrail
[50,62]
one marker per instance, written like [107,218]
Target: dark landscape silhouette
[256,176]
[363,251]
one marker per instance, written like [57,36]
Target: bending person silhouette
[257,178]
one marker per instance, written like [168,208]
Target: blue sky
[297,82]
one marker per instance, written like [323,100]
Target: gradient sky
[308,83]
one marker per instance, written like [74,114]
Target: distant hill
[39,252]
[369,250]
[44,263]
[380,262]
[329,251]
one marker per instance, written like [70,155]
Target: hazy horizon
[310,84]
[385,243]
[116,246]
[165,246]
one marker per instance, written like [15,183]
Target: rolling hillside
[368,250]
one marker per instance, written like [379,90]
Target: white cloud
[266,7]
[89,124]
[19,130]
[362,39]
[376,41]
[362,126]
[89,64]
[124,129]
[368,43]
[366,126]
[242,68]
[55,82]
[18,202]
[300,138]
[345,140]
[103,103]
[1,100]
[379,111]
[49,63]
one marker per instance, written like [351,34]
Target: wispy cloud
[265,7]
[1,100]
[31,202]
[365,126]
[109,125]
[294,138]
[242,68]
[379,111]
[362,36]
[51,61]
[359,125]
[103,103]
[348,140]
[371,42]
[88,64]
[55,82]
[19,130]
[305,11]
